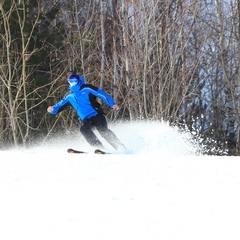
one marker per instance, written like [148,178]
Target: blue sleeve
[58,107]
[105,97]
[98,92]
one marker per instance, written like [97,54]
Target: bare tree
[14,70]
[21,97]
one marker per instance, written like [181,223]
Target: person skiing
[83,98]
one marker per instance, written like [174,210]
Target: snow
[162,190]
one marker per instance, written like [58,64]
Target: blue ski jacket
[83,99]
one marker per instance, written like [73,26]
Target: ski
[70,150]
[97,151]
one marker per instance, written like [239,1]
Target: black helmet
[70,73]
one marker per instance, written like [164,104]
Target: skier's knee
[84,130]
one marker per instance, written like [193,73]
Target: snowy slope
[165,193]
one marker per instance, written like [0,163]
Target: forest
[161,60]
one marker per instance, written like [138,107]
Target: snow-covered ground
[162,191]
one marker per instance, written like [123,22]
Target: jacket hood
[80,82]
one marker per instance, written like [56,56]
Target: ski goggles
[73,81]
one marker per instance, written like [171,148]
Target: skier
[83,99]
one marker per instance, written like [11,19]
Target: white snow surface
[161,190]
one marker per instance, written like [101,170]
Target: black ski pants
[100,123]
